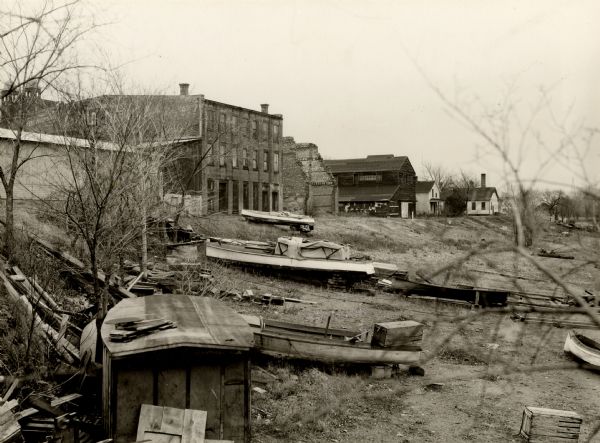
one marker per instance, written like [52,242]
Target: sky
[359,77]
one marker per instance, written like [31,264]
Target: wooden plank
[194,423]
[553,412]
[133,388]
[172,421]
[172,387]
[234,419]
[150,418]
[205,395]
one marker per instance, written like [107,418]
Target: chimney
[184,88]
[483,180]
[264,108]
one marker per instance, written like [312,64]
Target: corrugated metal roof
[372,163]
[51,139]
[367,193]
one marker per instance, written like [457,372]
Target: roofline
[53,139]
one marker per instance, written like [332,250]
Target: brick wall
[295,185]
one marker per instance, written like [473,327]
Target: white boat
[291,253]
[325,345]
[585,346]
[301,222]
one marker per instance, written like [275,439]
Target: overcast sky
[343,72]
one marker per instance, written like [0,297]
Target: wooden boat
[292,254]
[479,296]
[585,346]
[301,222]
[324,345]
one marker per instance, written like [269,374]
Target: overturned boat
[300,222]
[324,345]
[585,346]
[315,258]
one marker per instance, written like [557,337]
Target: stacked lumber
[550,425]
[40,314]
[130,329]
[405,334]
[9,426]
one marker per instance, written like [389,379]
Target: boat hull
[221,252]
[588,354]
[330,351]
[325,345]
[277,218]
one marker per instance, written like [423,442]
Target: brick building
[309,187]
[374,183]
[226,157]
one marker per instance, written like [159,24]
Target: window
[211,120]
[234,157]
[482,205]
[234,122]
[254,159]
[222,154]
[275,133]
[92,118]
[265,131]
[473,207]
[369,178]
[222,123]
[254,130]
[210,184]
[245,158]
[265,161]
[432,192]
[209,156]
[276,162]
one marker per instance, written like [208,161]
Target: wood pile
[550,425]
[398,334]
[129,329]
[47,318]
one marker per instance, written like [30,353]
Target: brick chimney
[184,88]
[483,180]
[264,108]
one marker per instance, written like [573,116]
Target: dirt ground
[487,366]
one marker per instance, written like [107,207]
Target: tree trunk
[144,263]
[9,227]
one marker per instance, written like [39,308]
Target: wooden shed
[203,363]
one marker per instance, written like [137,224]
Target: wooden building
[483,200]
[374,183]
[429,201]
[227,156]
[202,364]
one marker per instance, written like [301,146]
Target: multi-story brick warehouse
[375,182]
[228,155]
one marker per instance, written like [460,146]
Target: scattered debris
[553,254]
[542,424]
[434,386]
[259,390]
[171,424]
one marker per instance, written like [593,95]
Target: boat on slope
[479,296]
[324,345]
[585,346]
[300,222]
[314,257]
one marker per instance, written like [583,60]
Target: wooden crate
[550,425]
[397,334]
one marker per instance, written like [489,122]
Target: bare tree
[37,48]
[439,174]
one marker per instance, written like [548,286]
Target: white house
[483,200]
[429,200]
